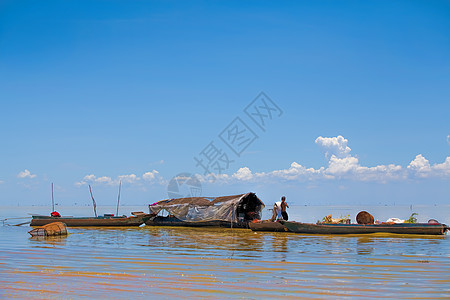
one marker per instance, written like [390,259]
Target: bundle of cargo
[51,229]
[330,220]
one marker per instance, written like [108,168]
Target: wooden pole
[53,200]
[93,201]
[118,199]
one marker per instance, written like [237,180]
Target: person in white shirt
[276,212]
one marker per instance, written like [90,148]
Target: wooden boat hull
[172,221]
[91,221]
[267,226]
[401,228]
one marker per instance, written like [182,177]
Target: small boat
[137,219]
[235,211]
[267,225]
[398,228]
[51,229]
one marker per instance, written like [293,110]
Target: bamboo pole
[118,198]
[93,201]
[53,200]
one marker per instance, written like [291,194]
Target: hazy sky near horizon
[354,110]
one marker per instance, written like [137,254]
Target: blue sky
[94,90]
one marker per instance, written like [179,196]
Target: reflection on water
[364,245]
[59,240]
[220,263]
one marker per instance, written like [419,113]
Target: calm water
[223,263]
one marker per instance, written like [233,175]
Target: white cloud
[420,163]
[442,169]
[26,174]
[152,176]
[336,146]
[420,166]
[243,174]
[338,168]
[448,139]
[2,182]
[104,179]
[88,179]
[131,178]
[149,176]
[342,165]
[296,171]
[350,168]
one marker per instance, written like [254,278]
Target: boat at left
[137,219]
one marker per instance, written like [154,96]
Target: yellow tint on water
[122,263]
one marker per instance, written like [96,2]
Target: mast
[118,198]
[53,200]
[93,201]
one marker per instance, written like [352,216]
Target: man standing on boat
[284,205]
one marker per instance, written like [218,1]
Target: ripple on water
[220,263]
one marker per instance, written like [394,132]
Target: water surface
[169,262]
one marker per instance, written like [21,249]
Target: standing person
[276,213]
[284,205]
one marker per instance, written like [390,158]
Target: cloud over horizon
[148,177]
[336,146]
[341,165]
[26,174]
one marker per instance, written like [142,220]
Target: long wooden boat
[398,228]
[267,225]
[173,221]
[137,219]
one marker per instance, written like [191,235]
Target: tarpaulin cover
[195,209]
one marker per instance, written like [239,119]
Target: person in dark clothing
[284,205]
